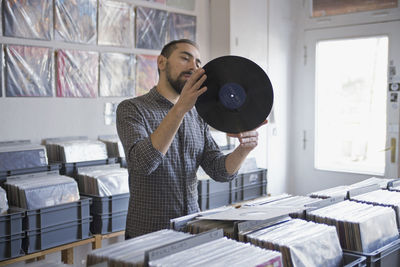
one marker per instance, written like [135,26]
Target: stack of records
[39,190]
[114,146]
[337,191]
[181,223]
[171,248]
[131,252]
[3,201]
[103,180]
[381,182]
[22,156]
[70,151]
[266,199]
[383,198]
[296,202]
[358,223]
[301,243]
[342,190]
[229,219]
[221,252]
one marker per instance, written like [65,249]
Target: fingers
[244,134]
[196,77]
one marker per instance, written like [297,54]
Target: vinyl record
[239,95]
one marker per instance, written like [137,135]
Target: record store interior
[266,134]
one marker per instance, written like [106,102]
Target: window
[351,85]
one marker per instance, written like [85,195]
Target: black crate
[58,214]
[388,255]
[209,186]
[11,222]
[215,200]
[249,192]
[250,178]
[108,204]
[11,246]
[351,260]
[71,169]
[57,235]
[108,223]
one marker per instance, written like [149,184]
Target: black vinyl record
[239,95]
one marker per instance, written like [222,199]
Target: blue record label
[232,95]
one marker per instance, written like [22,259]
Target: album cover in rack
[22,157]
[117,74]
[181,26]
[103,180]
[28,71]
[77,73]
[116,23]
[146,73]
[75,21]
[302,243]
[28,19]
[151,28]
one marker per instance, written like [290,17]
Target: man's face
[181,64]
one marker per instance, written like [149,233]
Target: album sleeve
[213,160]
[140,154]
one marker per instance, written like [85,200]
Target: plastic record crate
[56,225]
[108,223]
[108,204]
[70,169]
[351,260]
[11,233]
[386,256]
[109,213]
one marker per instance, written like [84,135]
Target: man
[165,141]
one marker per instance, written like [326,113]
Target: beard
[177,84]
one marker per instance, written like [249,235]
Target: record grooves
[239,95]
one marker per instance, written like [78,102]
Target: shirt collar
[159,98]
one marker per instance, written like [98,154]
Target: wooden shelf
[67,250]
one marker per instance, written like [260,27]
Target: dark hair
[171,46]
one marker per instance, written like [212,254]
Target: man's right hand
[191,91]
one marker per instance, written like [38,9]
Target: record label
[239,95]
[232,95]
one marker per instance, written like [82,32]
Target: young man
[165,141]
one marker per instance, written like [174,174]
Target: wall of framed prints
[67,64]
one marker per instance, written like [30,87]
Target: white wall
[282,40]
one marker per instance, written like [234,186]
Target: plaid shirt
[163,187]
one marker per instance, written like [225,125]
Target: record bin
[386,256]
[11,246]
[108,222]
[213,194]
[11,233]
[56,235]
[56,225]
[109,213]
[71,169]
[249,185]
[108,204]
[58,214]
[351,260]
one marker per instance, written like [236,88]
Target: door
[348,130]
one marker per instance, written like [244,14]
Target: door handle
[392,149]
